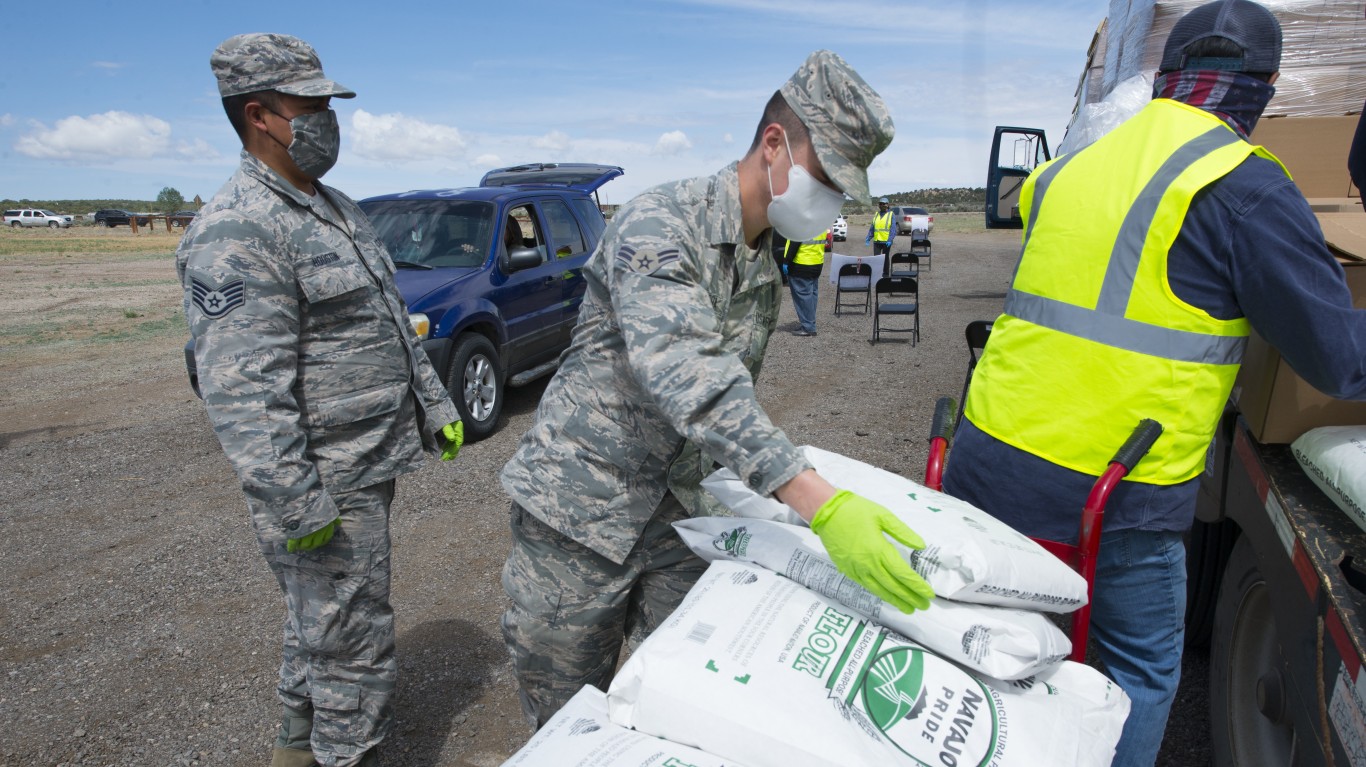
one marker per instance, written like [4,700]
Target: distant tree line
[935,200]
[168,201]
[81,207]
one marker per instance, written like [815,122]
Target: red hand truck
[1082,556]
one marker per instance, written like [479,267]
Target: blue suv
[492,275]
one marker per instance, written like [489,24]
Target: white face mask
[807,207]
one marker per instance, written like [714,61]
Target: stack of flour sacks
[774,659]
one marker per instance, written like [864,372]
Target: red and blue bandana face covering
[1233,97]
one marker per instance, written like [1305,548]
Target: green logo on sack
[930,709]
[734,542]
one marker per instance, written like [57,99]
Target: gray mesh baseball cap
[1249,25]
[264,61]
[848,123]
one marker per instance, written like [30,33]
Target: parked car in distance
[116,217]
[840,230]
[905,217]
[181,218]
[492,275]
[36,217]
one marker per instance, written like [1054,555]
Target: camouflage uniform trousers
[339,668]
[572,608]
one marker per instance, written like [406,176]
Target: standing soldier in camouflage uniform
[658,387]
[317,388]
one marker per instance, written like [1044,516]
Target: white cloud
[198,150]
[6,120]
[399,138]
[112,135]
[108,65]
[554,141]
[488,161]
[727,139]
[672,143]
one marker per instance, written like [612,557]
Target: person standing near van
[317,389]
[1142,308]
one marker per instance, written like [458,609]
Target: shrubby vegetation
[81,207]
[958,199]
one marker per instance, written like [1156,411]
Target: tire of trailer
[1207,552]
[1248,717]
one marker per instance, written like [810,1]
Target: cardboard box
[1279,405]
[1313,149]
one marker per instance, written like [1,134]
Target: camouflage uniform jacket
[658,383]
[305,355]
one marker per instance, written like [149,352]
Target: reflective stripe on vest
[812,252]
[1086,347]
[882,226]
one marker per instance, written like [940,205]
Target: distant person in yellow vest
[803,262]
[882,231]
[1148,257]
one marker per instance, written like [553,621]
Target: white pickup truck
[36,217]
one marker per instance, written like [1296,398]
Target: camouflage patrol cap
[848,123]
[265,61]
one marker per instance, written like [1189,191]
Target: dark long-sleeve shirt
[1356,158]
[1250,246]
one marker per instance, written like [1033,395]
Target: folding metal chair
[977,332]
[899,286]
[903,265]
[920,245]
[854,278]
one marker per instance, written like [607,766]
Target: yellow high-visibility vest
[1092,338]
[812,251]
[882,226]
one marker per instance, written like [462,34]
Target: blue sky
[116,100]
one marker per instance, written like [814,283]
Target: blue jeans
[805,291]
[1138,626]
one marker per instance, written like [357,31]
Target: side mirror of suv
[523,258]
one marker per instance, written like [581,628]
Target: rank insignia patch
[217,300]
[645,261]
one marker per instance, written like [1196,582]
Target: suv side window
[524,218]
[589,212]
[564,229]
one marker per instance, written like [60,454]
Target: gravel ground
[141,627]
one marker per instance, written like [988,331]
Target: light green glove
[313,540]
[455,437]
[852,529]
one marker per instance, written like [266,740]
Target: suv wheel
[102,223]
[475,385]
[53,224]
[14,225]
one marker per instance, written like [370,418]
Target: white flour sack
[581,735]
[754,667]
[1001,642]
[969,555]
[1335,458]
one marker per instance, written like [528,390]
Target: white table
[837,260]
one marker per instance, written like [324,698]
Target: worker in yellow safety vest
[882,231]
[1148,257]
[802,263]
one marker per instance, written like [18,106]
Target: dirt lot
[140,626]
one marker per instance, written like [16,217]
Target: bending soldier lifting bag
[754,667]
[1001,642]
[969,555]
[580,735]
